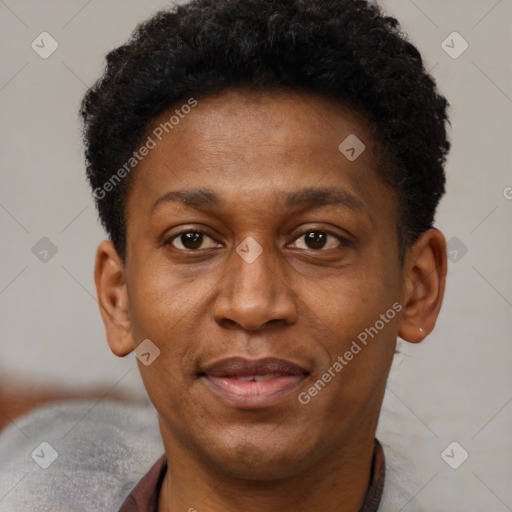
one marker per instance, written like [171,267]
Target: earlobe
[113,298]
[425,270]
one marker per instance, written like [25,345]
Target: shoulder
[77,455]
[396,432]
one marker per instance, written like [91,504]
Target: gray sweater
[95,453]
[86,456]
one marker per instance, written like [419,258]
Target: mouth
[253,384]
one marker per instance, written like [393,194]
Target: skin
[294,302]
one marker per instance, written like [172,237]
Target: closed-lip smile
[252,384]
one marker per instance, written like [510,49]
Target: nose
[254,295]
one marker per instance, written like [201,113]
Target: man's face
[327,271]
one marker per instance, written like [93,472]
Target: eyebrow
[306,198]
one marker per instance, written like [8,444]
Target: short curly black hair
[347,50]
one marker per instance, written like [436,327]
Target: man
[268,173]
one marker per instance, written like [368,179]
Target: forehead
[286,124]
[257,145]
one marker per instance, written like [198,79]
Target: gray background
[455,386]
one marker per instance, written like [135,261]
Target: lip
[237,381]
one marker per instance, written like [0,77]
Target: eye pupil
[315,239]
[191,240]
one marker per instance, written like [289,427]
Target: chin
[258,458]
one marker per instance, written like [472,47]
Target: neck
[336,484]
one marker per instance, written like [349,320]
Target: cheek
[157,309]
[169,308]
[359,321]
[162,300]
[160,310]
[351,301]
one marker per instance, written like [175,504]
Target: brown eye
[190,240]
[315,239]
[318,240]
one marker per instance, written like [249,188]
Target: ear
[113,298]
[425,270]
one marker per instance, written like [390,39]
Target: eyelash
[344,241]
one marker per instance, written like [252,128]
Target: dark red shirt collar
[144,497]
